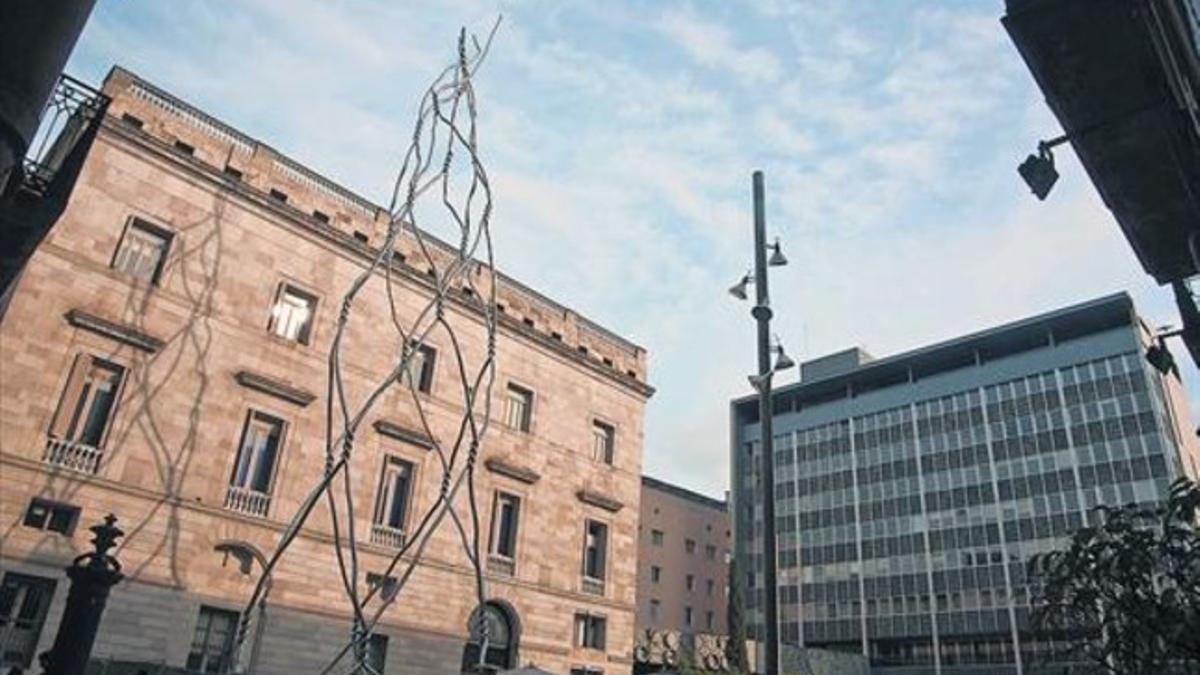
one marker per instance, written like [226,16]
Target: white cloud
[712,45]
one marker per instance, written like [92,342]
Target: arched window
[502,634]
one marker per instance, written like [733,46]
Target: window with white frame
[603,441]
[395,486]
[518,407]
[142,250]
[212,641]
[589,630]
[292,314]
[506,511]
[258,453]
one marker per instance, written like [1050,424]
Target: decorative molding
[518,473]
[401,433]
[273,387]
[110,329]
[596,499]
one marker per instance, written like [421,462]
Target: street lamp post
[762,383]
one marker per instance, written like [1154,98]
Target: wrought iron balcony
[72,455]
[250,502]
[70,112]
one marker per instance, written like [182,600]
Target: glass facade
[904,531]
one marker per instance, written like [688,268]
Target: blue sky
[620,137]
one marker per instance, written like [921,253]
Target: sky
[620,138]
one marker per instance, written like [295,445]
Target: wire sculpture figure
[442,159]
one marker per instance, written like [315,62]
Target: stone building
[163,358]
[912,490]
[683,545]
[683,576]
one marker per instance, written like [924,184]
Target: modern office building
[163,358]
[683,545]
[912,490]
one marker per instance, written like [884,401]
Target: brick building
[682,560]
[163,358]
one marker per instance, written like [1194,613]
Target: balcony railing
[244,500]
[17,642]
[72,455]
[591,585]
[73,108]
[498,564]
[386,535]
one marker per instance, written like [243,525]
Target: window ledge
[596,499]
[273,387]
[120,332]
[517,473]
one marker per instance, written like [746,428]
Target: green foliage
[1125,594]
[735,647]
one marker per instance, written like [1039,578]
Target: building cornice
[366,254]
[517,473]
[599,500]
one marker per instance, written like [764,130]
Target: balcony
[249,502]
[501,565]
[591,585]
[386,535]
[32,199]
[72,455]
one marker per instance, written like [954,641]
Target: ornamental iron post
[92,575]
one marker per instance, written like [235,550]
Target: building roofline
[1083,318]
[684,493]
[237,136]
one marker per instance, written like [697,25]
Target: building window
[377,653]
[655,609]
[419,373]
[708,587]
[292,314]
[279,195]
[689,545]
[51,516]
[85,412]
[656,537]
[708,620]
[212,643]
[594,549]
[254,469]
[687,616]
[506,511]
[142,250]
[710,552]
[518,407]
[603,442]
[655,574]
[589,631]
[385,586]
[689,582]
[391,502]
[24,600]
[586,670]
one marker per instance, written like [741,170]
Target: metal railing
[72,108]
[244,500]
[385,535]
[18,641]
[72,455]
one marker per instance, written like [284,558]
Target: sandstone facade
[197,358]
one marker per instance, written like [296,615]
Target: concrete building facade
[912,490]
[163,358]
[683,547]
